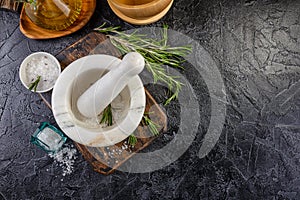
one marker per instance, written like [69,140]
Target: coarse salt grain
[44,67]
[65,158]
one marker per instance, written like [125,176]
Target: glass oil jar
[53,14]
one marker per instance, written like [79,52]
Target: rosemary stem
[156,53]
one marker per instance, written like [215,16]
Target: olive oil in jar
[53,14]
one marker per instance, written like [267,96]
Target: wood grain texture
[31,30]
[93,43]
[140,20]
[100,157]
[140,9]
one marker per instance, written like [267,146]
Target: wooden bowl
[142,20]
[136,9]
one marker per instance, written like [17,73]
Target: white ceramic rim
[86,136]
[27,59]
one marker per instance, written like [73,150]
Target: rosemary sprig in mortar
[34,84]
[155,52]
[132,140]
[107,117]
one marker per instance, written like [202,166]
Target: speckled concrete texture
[256,46]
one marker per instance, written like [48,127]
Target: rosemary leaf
[132,140]
[152,125]
[34,84]
[107,117]
[156,53]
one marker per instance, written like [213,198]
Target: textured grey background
[256,45]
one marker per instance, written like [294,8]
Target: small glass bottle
[53,14]
[48,138]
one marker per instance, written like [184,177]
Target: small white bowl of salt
[39,72]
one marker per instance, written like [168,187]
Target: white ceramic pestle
[99,95]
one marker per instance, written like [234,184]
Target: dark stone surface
[256,45]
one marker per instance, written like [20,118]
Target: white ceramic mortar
[74,81]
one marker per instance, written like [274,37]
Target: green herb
[31,2]
[34,84]
[155,52]
[146,121]
[107,116]
[152,125]
[132,140]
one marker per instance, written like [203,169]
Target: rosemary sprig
[34,84]
[107,117]
[132,140]
[155,52]
[146,121]
[152,125]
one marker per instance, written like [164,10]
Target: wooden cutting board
[107,159]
